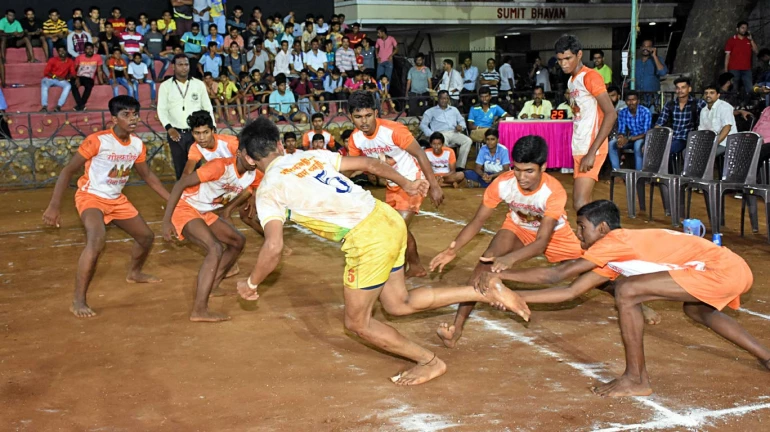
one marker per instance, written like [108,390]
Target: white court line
[756,314]
[446,219]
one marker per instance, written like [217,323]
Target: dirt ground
[286,363]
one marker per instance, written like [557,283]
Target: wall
[600,37]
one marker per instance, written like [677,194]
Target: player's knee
[239,241]
[625,293]
[356,325]
[95,242]
[693,312]
[215,248]
[146,239]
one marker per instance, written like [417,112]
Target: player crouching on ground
[443,161]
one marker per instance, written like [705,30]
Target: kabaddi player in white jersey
[593,118]
[443,161]
[308,189]
[108,157]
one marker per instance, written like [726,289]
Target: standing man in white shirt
[717,117]
[507,80]
[470,76]
[177,99]
[452,81]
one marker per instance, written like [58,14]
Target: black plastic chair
[756,191]
[698,165]
[657,144]
[740,169]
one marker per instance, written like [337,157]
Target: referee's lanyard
[184,95]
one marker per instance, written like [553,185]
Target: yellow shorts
[374,248]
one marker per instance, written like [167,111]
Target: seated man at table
[566,105]
[538,108]
[442,160]
[484,115]
[493,160]
[447,120]
[633,123]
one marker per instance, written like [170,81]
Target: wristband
[251,285]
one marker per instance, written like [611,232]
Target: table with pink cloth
[557,134]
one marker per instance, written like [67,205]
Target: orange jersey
[225,146]
[307,139]
[108,163]
[220,184]
[710,273]
[527,209]
[441,164]
[388,143]
[587,115]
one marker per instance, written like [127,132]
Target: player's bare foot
[499,293]
[208,316]
[420,374]
[417,271]
[448,334]
[142,278]
[81,310]
[234,270]
[623,386]
[650,316]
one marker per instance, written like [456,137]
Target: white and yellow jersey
[108,163]
[307,188]
[220,184]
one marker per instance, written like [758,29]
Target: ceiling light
[505,37]
[515,33]
[652,23]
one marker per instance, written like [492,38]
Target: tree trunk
[709,25]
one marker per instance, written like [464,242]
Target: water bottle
[717,239]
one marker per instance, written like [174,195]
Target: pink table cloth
[557,134]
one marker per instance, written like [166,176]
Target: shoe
[57,109]
[44,110]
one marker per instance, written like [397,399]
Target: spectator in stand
[633,123]
[55,32]
[483,116]
[492,160]
[211,62]
[88,67]
[118,73]
[143,26]
[738,53]
[57,73]
[93,24]
[343,26]
[272,45]
[155,48]
[183,14]
[566,104]
[229,95]
[330,54]
[76,13]
[108,41]
[335,36]
[451,81]
[539,108]
[256,15]
[649,71]
[252,35]
[355,35]
[470,75]
[167,26]
[234,62]
[139,73]
[283,106]
[345,57]
[236,20]
[386,47]
[321,28]
[540,75]
[286,36]
[234,38]
[317,123]
[613,92]
[257,58]
[603,69]
[298,60]
[717,116]
[193,45]
[491,78]
[77,39]
[448,121]
[367,52]
[131,42]
[354,82]
[259,89]
[683,114]
[303,90]
[308,35]
[212,91]
[507,80]
[215,37]
[33,30]
[334,88]
[418,84]
[315,58]
[200,14]
[117,21]
[283,61]
[12,34]
[442,160]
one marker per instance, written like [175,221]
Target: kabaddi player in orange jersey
[190,213]
[443,161]
[108,157]
[208,144]
[657,264]
[594,117]
[317,122]
[392,142]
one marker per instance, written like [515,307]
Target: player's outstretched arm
[547,275]
[436,194]
[381,169]
[537,247]
[578,287]
[173,199]
[267,260]
[151,179]
[466,234]
[52,215]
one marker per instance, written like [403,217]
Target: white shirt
[282,63]
[272,46]
[506,73]
[719,116]
[315,60]
[199,5]
[173,108]
[138,71]
[261,61]
[452,81]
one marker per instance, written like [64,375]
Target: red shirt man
[739,48]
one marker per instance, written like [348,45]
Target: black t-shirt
[249,38]
[261,86]
[111,43]
[31,27]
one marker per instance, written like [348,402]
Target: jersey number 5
[336,182]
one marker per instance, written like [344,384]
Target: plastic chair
[698,165]
[756,191]
[740,168]
[657,144]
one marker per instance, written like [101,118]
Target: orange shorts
[720,284]
[113,209]
[402,201]
[184,213]
[594,172]
[564,244]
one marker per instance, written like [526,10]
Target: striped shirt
[52,28]
[637,124]
[491,75]
[132,43]
[345,59]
